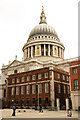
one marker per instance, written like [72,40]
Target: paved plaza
[31,113]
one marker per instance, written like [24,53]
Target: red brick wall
[75,76]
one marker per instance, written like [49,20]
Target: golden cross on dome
[42,9]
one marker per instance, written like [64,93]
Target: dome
[43,29]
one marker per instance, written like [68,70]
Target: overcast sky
[19,17]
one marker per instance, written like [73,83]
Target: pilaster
[52,87]
[31,51]
[67,104]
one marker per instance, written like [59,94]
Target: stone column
[53,49]
[59,52]
[52,96]
[48,50]
[44,50]
[31,51]
[28,52]
[73,101]
[63,53]
[35,50]
[58,104]
[67,103]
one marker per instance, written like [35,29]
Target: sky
[19,17]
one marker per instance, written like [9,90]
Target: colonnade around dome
[43,50]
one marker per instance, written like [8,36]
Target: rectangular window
[22,90]
[75,84]
[58,76]
[17,90]
[27,89]
[59,88]
[46,75]
[67,78]
[17,80]
[22,79]
[63,77]
[12,91]
[46,88]
[28,78]
[39,76]
[13,80]
[33,77]
[40,88]
[74,70]
[33,89]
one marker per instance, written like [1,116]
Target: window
[63,77]
[75,84]
[42,36]
[38,36]
[28,78]
[59,88]
[33,77]
[27,89]
[22,79]
[12,91]
[46,75]
[13,81]
[64,89]
[58,76]
[46,88]
[74,70]
[45,36]
[33,89]
[67,78]
[17,90]
[22,90]
[39,76]
[40,88]
[35,37]
[17,80]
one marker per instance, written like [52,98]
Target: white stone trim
[29,83]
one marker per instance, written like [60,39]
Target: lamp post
[37,93]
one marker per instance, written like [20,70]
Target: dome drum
[41,50]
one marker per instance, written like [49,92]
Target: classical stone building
[43,76]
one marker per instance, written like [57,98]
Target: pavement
[31,113]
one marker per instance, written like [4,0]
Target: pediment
[15,63]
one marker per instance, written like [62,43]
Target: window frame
[33,77]
[28,89]
[22,90]
[74,70]
[76,86]
[40,88]
[33,89]
[46,74]
[40,77]
[28,77]
[46,88]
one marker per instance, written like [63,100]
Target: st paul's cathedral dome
[43,43]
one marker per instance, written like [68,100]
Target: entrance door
[62,104]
